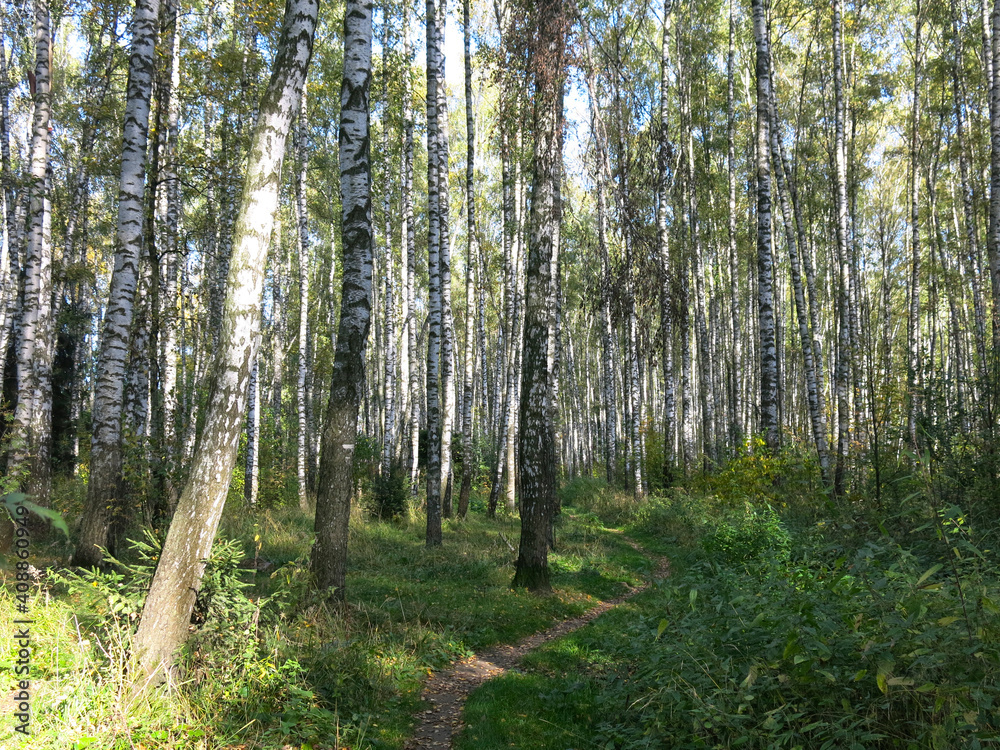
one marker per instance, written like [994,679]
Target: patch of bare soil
[446,691]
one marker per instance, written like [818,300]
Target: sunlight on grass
[275,665]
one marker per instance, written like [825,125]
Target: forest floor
[447,690]
[783,623]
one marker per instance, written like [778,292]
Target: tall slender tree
[336,475]
[105,489]
[471,257]
[436,332]
[166,613]
[547,60]
[32,446]
[765,262]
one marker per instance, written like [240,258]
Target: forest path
[446,691]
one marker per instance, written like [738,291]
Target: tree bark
[537,434]
[844,357]
[664,158]
[336,472]
[471,257]
[166,614]
[105,488]
[302,242]
[435,70]
[410,260]
[913,317]
[993,234]
[31,446]
[765,264]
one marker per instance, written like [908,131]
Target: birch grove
[675,240]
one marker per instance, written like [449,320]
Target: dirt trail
[446,691]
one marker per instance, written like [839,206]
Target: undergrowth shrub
[878,649]
[390,495]
[752,533]
[593,495]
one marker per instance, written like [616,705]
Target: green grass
[852,642]
[273,666]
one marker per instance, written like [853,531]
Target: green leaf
[945,621]
[929,572]
[15,499]
[692,596]
[662,627]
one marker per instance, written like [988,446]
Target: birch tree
[471,256]
[336,476]
[302,243]
[765,263]
[31,448]
[843,257]
[435,418]
[537,433]
[104,490]
[166,614]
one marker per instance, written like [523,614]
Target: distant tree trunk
[252,473]
[471,257]
[163,256]
[31,450]
[514,375]
[537,435]
[765,264]
[336,472]
[972,248]
[410,261]
[664,157]
[843,259]
[601,172]
[166,614]
[814,396]
[435,69]
[302,235]
[993,235]
[104,490]
[447,314]
[735,368]
[388,296]
[509,238]
[913,318]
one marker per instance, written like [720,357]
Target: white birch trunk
[765,264]
[471,257]
[104,490]
[435,69]
[30,459]
[335,487]
[302,240]
[166,614]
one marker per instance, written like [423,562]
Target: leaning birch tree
[166,614]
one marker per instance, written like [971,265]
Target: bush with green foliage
[751,534]
[390,495]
